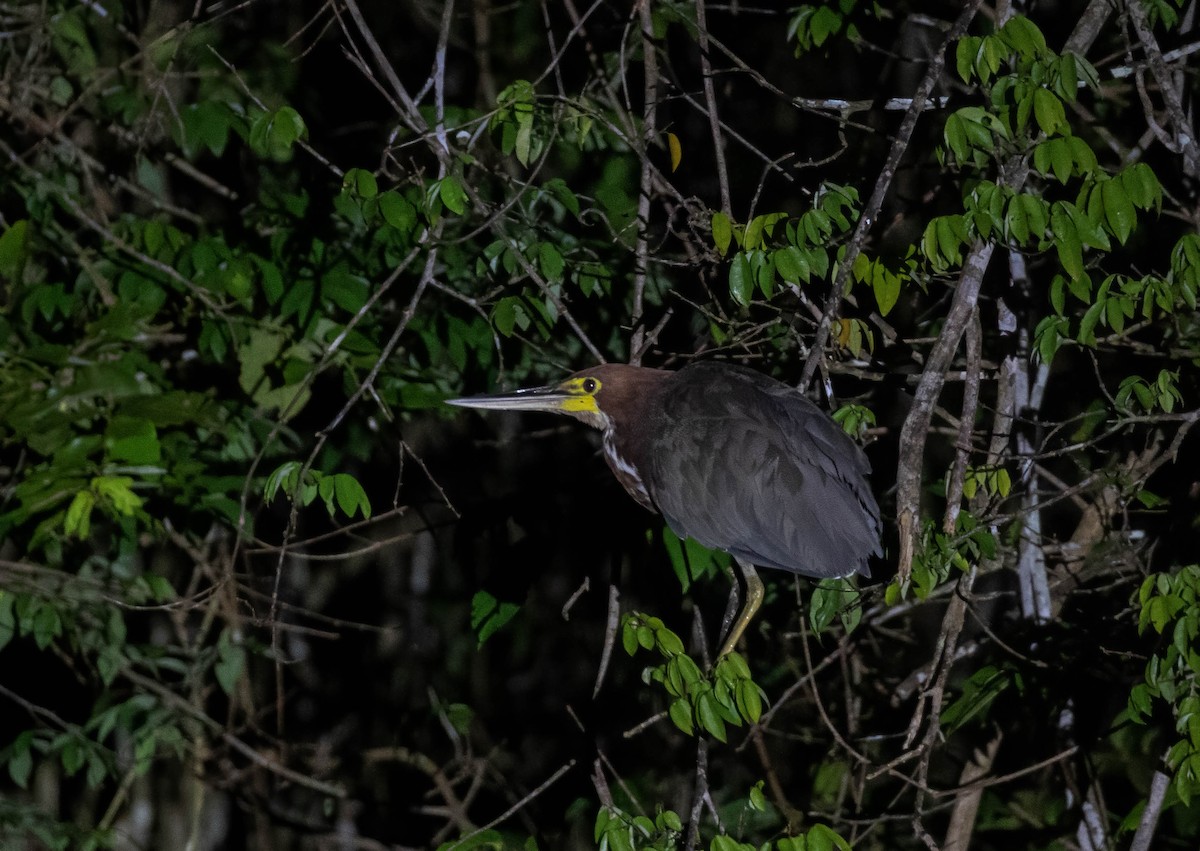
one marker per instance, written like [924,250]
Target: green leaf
[979,692]
[360,183]
[79,515]
[1016,221]
[762,267]
[117,492]
[550,262]
[680,712]
[792,265]
[504,315]
[489,614]
[741,279]
[603,816]
[205,125]
[965,55]
[749,700]
[285,476]
[231,662]
[14,250]
[708,714]
[886,286]
[1089,225]
[722,231]
[955,134]
[350,496]
[20,762]
[1067,84]
[669,643]
[950,238]
[1058,294]
[345,289]
[397,211]
[8,623]
[523,141]
[992,54]
[160,588]
[273,134]
[47,625]
[1061,161]
[629,637]
[559,189]
[1066,240]
[1048,110]
[829,598]
[1083,157]
[1087,324]
[645,637]
[723,842]
[824,23]
[823,838]
[132,440]
[1118,210]
[1142,186]
[451,191]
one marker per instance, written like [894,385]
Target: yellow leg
[754,598]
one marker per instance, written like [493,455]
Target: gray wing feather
[745,464]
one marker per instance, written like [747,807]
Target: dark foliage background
[259,589]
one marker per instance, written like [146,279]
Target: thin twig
[649,131]
[521,804]
[966,424]
[710,99]
[610,637]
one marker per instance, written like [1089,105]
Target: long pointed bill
[548,398]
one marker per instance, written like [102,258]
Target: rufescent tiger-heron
[730,457]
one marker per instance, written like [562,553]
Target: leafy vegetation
[259,589]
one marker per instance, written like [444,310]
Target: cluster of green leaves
[854,419]
[832,598]
[978,693]
[1161,394]
[1036,84]
[616,830]
[145,354]
[819,837]
[1170,604]
[993,481]
[303,485]
[489,614]
[885,276]
[939,554]
[811,26]
[1038,80]
[725,695]
[1085,208]
[1117,300]
[516,108]
[691,560]
[775,247]
[801,250]
[28,825]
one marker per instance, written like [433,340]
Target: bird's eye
[589,385]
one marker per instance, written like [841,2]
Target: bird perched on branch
[730,457]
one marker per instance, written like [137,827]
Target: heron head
[598,396]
